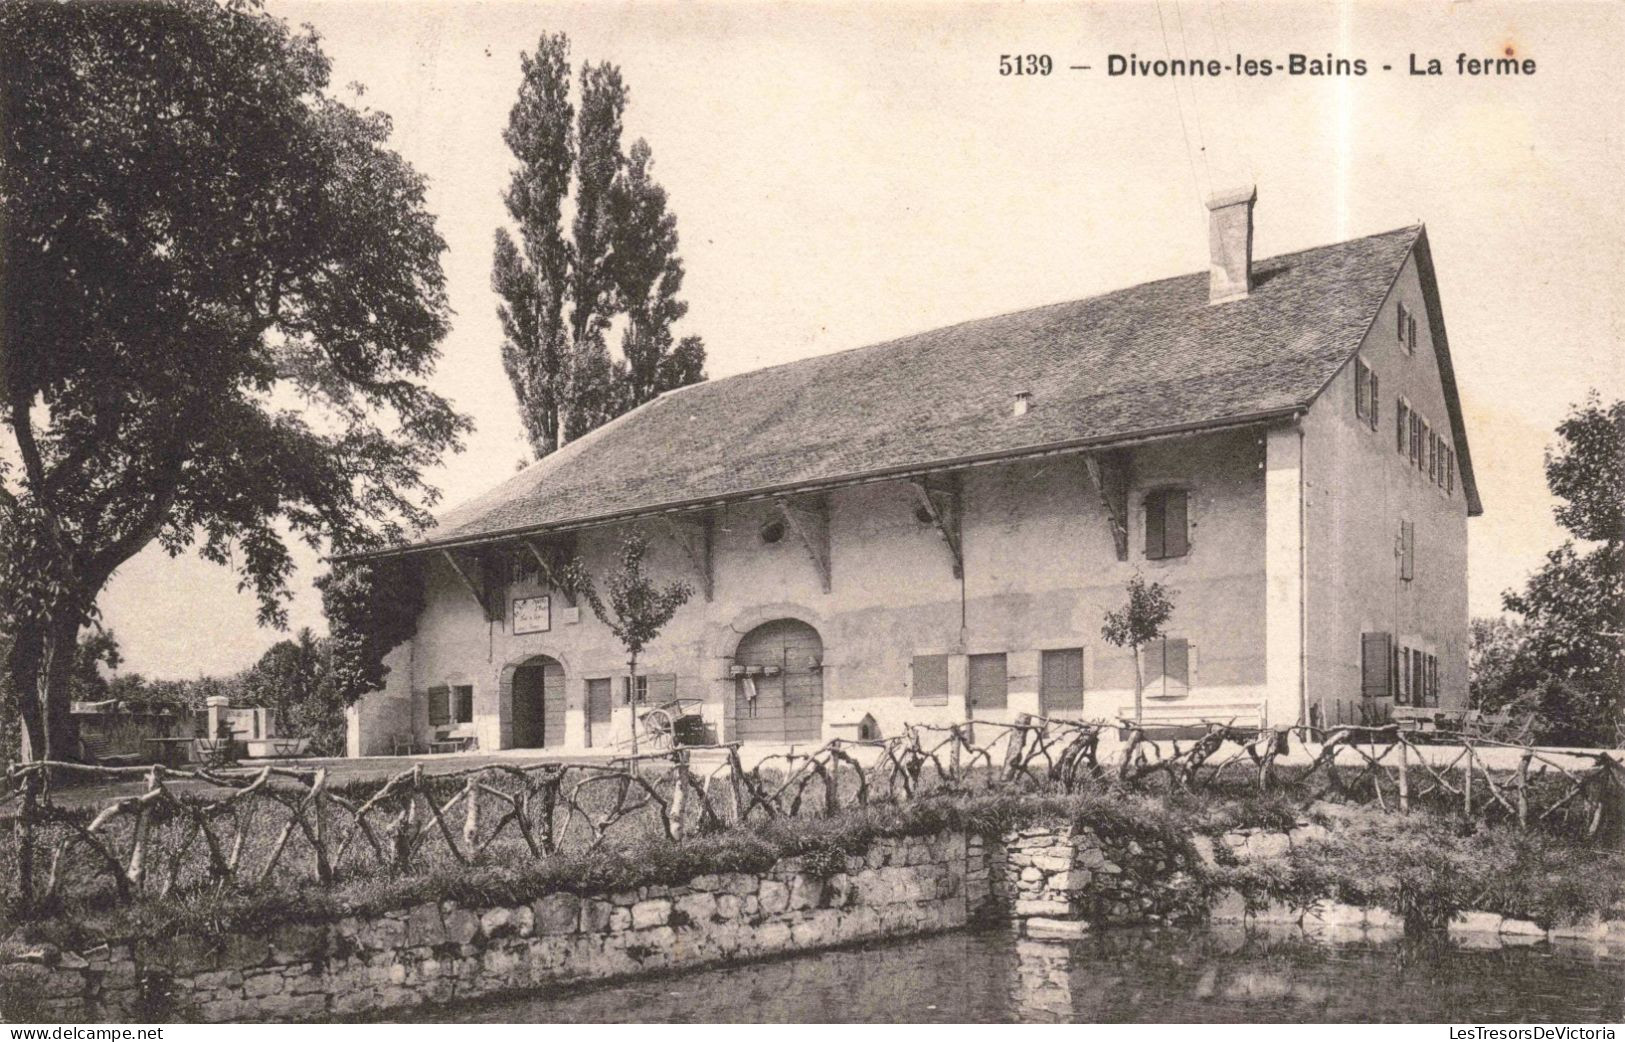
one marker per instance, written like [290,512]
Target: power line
[1196,106]
[1179,106]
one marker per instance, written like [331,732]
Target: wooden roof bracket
[551,559]
[808,518]
[695,535]
[475,589]
[939,496]
[1108,472]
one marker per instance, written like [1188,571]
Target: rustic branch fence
[245,827]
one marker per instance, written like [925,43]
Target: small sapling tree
[1136,624]
[638,608]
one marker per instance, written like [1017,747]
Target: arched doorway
[538,704]
[780,697]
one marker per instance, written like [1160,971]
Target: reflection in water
[1216,974]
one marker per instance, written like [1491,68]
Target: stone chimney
[1230,244]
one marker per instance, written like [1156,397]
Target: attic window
[1405,328]
[1023,402]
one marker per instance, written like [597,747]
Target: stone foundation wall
[1075,872]
[445,952]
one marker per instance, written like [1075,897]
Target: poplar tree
[562,294]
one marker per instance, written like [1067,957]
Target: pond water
[1213,974]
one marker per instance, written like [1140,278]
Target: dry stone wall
[1076,872]
[444,952]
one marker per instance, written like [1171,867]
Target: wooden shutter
[1399,329]
[1176,668]
[930,680]
[661,687]
[1401,425]
[439,705]
[1375,398]
[599,708]
[1362,388]
[1410,332]
[1376,663]
[1175,524]
[989,682]
[1061,679]
[1156,519]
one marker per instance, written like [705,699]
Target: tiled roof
[1136,361]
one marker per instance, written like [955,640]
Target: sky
[847,173]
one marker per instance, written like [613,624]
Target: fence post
[1611,795]
[1523,787]
[1404,775]
[1018,741]
[679,795]
[471,811]
[1467,780]
[405,825]
[736,785]
[137,871]
[24,827]
[318,834]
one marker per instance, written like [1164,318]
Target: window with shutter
[1416,437]
[1362,389]
[1402,422]
[930,680]
[1060,680]
[1422,442]
[1450,474]
[1403,695]
[989,681]
[1167,524]
[1410,333]
[439,706]
[1407,550]
[1419,678]
[1156,511]
[1376,665]
[1399,329]
[463,699]
[1176,525]
[1375,398]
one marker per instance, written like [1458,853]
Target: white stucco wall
[1358,489]
[1040,571]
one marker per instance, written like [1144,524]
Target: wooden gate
[781,699]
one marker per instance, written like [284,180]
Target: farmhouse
[930,529]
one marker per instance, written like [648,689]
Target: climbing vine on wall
[372,607]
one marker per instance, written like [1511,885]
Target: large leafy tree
[197,236]
[1567,655]
[561,294]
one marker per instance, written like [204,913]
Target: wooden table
[171,752]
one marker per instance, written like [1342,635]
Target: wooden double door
[781,698]
[538,704]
